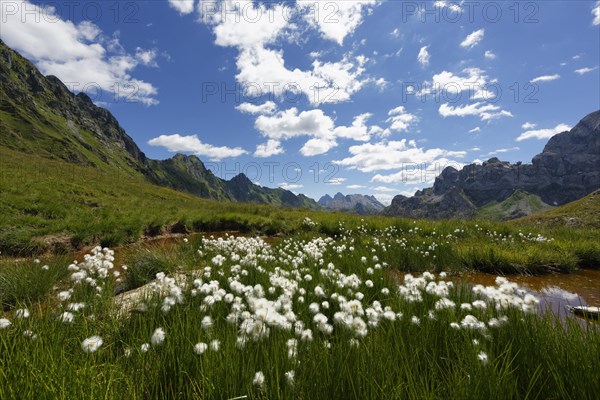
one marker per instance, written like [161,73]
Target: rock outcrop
[566,170]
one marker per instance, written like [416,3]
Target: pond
[555,291]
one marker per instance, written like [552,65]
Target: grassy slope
[49,205]
[519,203]
[42,197]
[582,213]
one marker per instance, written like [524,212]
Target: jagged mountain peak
[566,170]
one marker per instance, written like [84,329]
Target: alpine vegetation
[305,317]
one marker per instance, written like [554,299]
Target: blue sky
[365,96]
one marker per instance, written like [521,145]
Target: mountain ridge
[39,114]
[566,170]
[356,203]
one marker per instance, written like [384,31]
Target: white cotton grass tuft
[483,358]
[92,344]
[214,345]
[200,348]
[22,313]
[4,323]
[145,347]
[64,295]
[289,377]
[207,322]
[259,379]
[66,317]
[158,337]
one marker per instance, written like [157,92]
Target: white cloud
[596,13]
[475,130]
[585,70]
[370,157]
[473,39]
[79,55]
[290,186]
[191,144]
[472,81]
[385,189]
[400,120]
[335,20]
[268,149]
[182,6]
[528,125]
[543,133]
[423,56]
[335,181]
[422,174]
[453,6]
[355,187]
[146,57]
[501,151]
[266,108]
[545,78]
[395,33]
[319,127]
[265,69]
[489,55]
[484,111]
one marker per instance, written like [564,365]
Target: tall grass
[530,356]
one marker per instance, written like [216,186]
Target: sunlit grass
[226,331]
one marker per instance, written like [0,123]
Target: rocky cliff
[566,170]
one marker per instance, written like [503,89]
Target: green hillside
[39,115]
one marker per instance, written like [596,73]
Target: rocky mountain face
[40,115]
[566,170]
[355,203]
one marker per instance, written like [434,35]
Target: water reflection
[555,291]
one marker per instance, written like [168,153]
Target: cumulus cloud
[146,57]
[596,13]
[335,20]
[473,81]
[400,120]
[252,28]
[266,108]
[78,54]
[501,151]
[192,144]
[268,149]
[418,174]
[545,78]
[370,157]
[473,39]
[423,56]
[585,70]
[543,133]
[454,6]
[489,55]
[475,130]
[528,125]
[290,186]
[482,110]
[335,181]
[320,128]
[182,6]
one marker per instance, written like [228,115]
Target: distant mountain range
[39,115]
[566,170]
[353,203]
